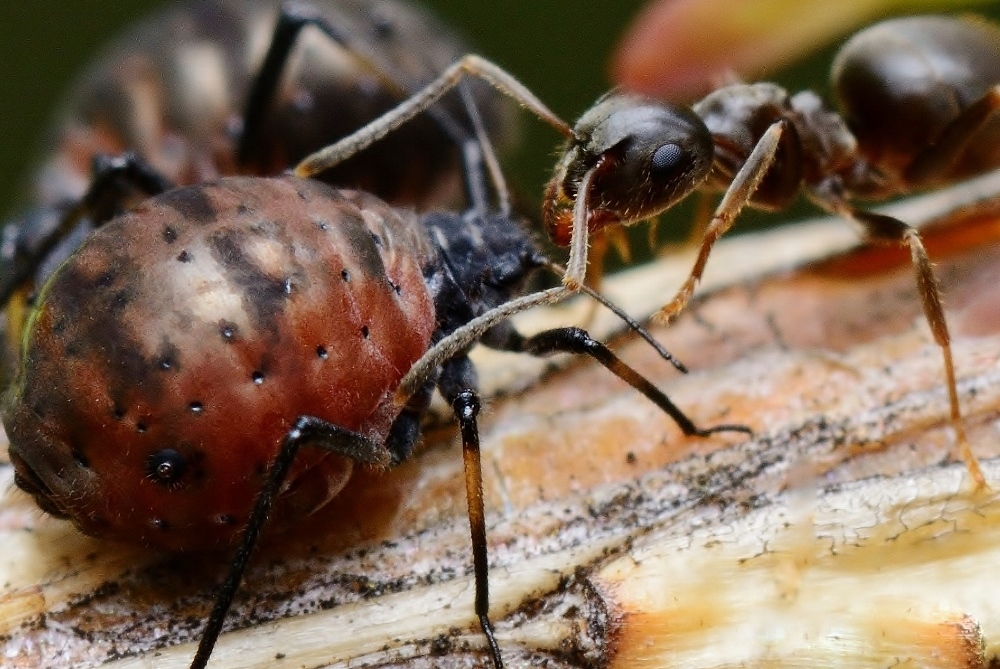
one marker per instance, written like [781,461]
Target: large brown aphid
[177,362]
[920,95]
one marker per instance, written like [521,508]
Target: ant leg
[579,342]
[25,246]
[886,230]
[307,431]
[737,196]
[470,65]
[940,157]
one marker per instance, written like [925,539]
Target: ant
[920,98]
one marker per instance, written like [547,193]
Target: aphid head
[646,156]
[489,258]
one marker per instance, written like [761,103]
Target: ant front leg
[307,431]
[579,342]
[739,193]
[886,230]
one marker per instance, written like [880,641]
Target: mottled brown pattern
[206,340]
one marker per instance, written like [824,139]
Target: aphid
[220,87]
[215,329]
[920,96]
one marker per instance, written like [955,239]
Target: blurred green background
[559,48]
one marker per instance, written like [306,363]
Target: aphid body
[194,330]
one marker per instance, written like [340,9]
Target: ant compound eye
[666,158]
[166,467]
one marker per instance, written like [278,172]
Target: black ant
[920,98]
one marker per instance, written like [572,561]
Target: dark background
[558,48]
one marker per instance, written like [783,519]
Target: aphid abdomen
[215,316]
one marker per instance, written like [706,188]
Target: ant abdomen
[903,84]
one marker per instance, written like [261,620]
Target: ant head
[645,156]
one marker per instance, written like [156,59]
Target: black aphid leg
[307,431]
[456,383]
[39,237]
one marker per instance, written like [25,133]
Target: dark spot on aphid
[141,427]
[396,288]
[228,331]
[302,195]
[121,300]
[377,239]
[242,210]
[323,225]
[363,245]
[118,412]
[184,256]
[72,350]
[258,377]
[169,235]
[264,296]
[79,457]
[322,353]
[166,467]
[225,520]
[345,275]
[160,524]
[365,331]
[193,204]
[106,279]
[168,357]
[630,458]
[196,407]
[59,326]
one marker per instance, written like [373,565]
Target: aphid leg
[307,431]
[114,180]
[456,384]
[736,197]
[579,342]
[886,230]
[421,101]
[940,157]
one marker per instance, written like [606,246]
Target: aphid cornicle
[220,87]
[921,98]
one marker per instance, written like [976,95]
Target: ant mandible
[920,96]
